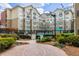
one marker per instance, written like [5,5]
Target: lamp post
[54,23]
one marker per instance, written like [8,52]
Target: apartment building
[59,19]
[32,18]
[0,19]
[28,19]
[49,19]
[21,18]
[17,17]
[76,20]
[10,18]
[68,19]
[3,19]
[64,19]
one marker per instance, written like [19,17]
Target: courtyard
[34,49]
[24,31]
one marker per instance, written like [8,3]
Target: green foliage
[9,35]
[75,42]
[6,43]
[44,39]
[61,39]
[69,39]
[22,36]
[65,34]
[59,45]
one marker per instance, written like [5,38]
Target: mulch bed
[71,50]
[49,43]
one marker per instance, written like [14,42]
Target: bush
[66,34]
[68,39]
[75,42]
[9,35]
[22,36]
[61,39]
[44,39]
[59,45]
[6,43]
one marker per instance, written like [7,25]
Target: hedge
[70,40]
[44,39]
[9,35]
[6,43]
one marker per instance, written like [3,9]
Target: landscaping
[9,35]
[7,40]
[68,39]
[44,39]
[6,43]
[65,41]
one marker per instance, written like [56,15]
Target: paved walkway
[34,49]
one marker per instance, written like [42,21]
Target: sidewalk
[34,49]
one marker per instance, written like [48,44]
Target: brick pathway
[34,49]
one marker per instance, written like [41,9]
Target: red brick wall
[3,18]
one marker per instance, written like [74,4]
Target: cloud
[71,4]
[36,5]
[67,5]
[40,10]
[4,5]
[46,12]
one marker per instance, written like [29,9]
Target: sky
[41,7]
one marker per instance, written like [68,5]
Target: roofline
[58,9]
[21,7]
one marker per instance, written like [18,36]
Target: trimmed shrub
[44,39]
[75,42]
[22,36]
[61,39]
[9,35]
[67,34]
[69,40]
[67,37]
[59,45]
[6,43]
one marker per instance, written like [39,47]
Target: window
[60,14]
[20,18]
[28,27]
[66,17]
[60,28]
[34,17]
[34,13]
[28,22]
[66,13]
[34,23]
[77,12]
[59,23]
[28,17]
